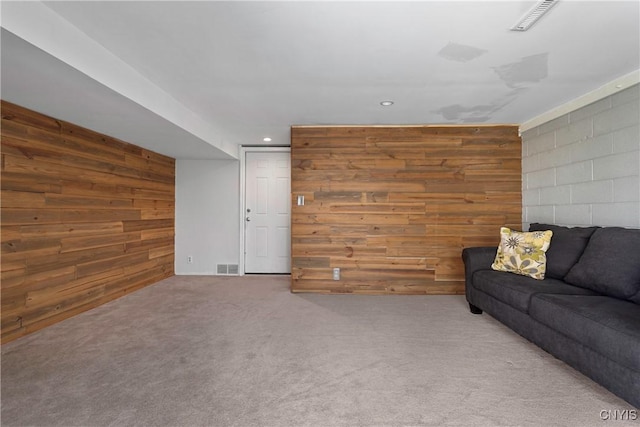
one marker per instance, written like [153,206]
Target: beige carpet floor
[244,351]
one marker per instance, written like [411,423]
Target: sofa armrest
[478,258]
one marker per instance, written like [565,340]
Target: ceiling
[198,79]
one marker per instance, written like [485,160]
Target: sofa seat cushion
[517,290]
[610,264]
[606,325]
[567,245]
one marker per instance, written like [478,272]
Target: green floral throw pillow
[523,253]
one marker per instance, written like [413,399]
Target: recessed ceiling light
[386,103]
[266,139]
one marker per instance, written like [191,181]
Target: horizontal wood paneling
[393,207]
[85,218]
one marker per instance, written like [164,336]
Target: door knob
[248,219]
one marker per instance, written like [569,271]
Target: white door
[268,212]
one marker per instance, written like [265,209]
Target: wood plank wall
[393,207]
[85,219]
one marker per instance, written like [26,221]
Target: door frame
[243,158]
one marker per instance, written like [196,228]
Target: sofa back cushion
[610,264]
[567,246]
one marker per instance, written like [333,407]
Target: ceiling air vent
[533,15]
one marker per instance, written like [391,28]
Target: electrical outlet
[336,273]
[190,259]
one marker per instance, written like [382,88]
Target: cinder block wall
[583,168]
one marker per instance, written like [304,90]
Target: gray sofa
[585,312]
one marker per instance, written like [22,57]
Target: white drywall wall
[207,215]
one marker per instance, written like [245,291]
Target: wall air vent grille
[534,15]
[227,269]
